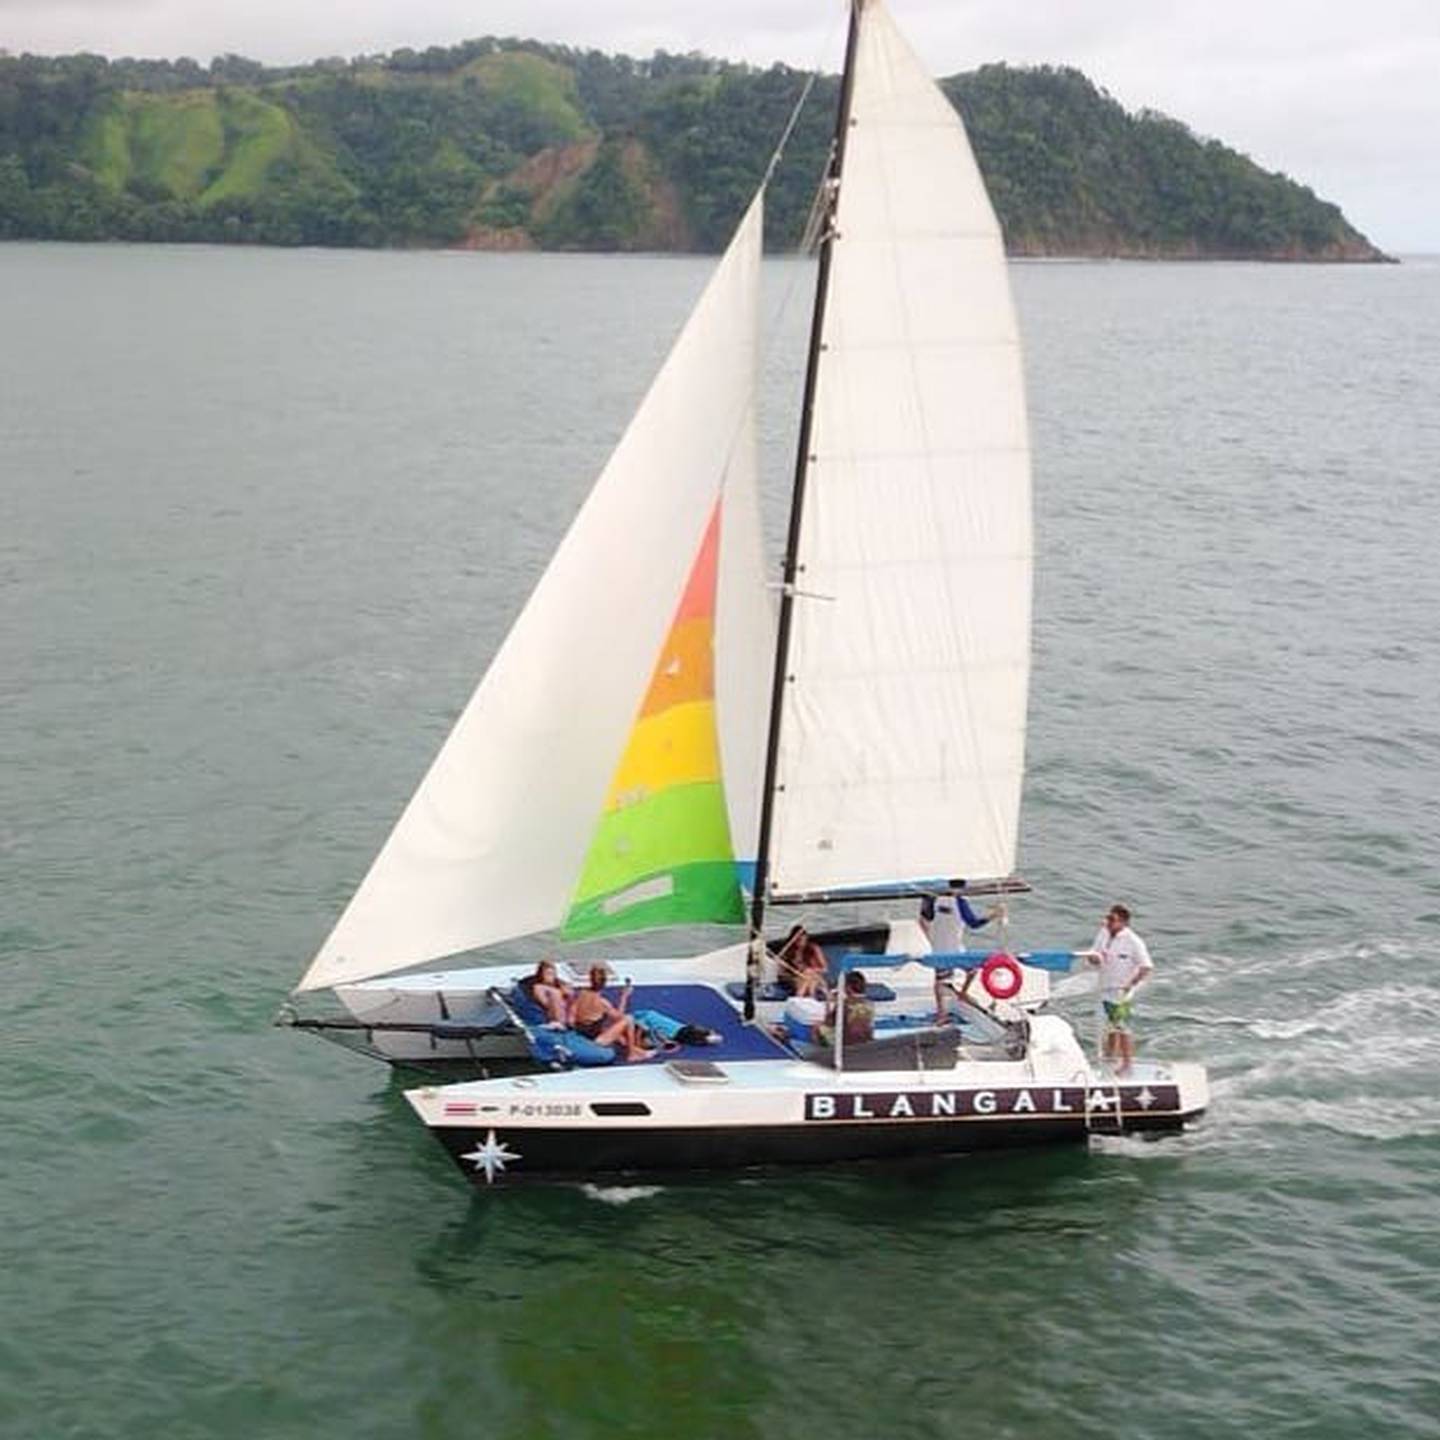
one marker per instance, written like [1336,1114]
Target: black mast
[830,196]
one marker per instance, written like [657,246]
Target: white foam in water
[1374,1027]
[1351,1057]
[1156,1147]
[1348,1057]
[1202,971]
[620,1194]
[1370,1117]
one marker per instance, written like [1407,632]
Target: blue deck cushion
[563,1049]
[798,1032]
[553,1045]
[529,1012]
[773,993]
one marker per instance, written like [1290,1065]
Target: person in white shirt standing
[945,918]
[1125,963]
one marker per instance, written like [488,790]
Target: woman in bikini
[802,965]
[547,990]
[606,1023]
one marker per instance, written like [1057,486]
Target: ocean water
[264,516]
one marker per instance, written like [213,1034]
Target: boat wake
[1414,1117]
[1331,1042]
[620,1194]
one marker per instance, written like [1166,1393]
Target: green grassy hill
[531,85]
[200,145]
[510,144]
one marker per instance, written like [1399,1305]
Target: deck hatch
[698,1072]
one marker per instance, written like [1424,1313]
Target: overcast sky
[1345,97]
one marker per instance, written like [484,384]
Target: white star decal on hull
[1146,1098]
[491,1157]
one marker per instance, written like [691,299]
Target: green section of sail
[678,826]
[680,834]
[700,893]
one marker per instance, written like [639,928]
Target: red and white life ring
[1001,977]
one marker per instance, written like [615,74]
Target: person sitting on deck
[600,1019]
[859,1014]
[803,967]
[548,992]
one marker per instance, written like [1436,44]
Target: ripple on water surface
[267,515]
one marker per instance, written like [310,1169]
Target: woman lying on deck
[601,1020]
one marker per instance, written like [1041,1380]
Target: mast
[797,504]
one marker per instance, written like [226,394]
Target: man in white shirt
[1125,963]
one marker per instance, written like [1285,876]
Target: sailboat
[660,736]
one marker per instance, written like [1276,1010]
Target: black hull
[569,1155]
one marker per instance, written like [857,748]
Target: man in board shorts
[1125,963]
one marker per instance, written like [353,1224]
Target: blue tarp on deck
[691,1005]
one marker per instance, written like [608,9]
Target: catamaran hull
[834,1127]
[559,1155]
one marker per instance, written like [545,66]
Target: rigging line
[789,129]
[773,329]
[803,247]
[767,343]
[826,47]
[834,171]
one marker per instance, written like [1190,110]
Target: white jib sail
[490,844]
[744,646]
[903,731]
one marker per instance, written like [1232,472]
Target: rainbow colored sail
[662,853]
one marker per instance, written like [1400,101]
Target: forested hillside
[512,144]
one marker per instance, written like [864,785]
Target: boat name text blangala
[949,1104]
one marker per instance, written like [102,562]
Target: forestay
[902,738]
[492,843]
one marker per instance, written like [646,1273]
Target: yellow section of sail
[676,747]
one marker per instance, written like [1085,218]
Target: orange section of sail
[686,671]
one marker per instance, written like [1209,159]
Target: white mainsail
[491,843]
[902,737]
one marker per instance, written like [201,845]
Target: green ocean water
[264,517]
